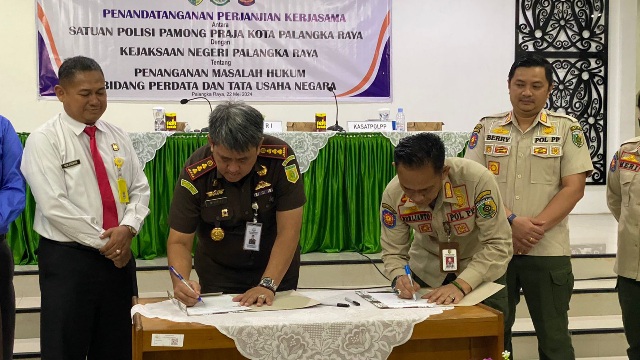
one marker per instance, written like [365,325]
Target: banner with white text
[252,50]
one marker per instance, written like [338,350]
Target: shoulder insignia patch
[614,162]
[201,167]
[577,136]
[388,207]
[473,140]
[288,160]
[388,219]
[477,128]
[273,151]
[485,205]
[189,186]
[292,173]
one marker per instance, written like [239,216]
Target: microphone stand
[335,127]
[184,101]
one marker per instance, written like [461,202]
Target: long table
[344,176]
[474,332]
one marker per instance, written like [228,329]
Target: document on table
[476,296]
[287,300]
[223,303]
[389,300]
[215,304]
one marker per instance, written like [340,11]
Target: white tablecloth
[321,332]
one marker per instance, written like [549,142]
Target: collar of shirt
[541,118]
[78,127]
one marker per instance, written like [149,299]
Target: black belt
[72,244]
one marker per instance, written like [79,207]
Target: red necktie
[109,211]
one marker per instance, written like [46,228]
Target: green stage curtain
[344,186]
[21,238]
[163,172]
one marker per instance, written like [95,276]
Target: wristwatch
[132,230]
[511,217]
[394,281]
[268,283]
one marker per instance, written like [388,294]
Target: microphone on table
[335,127]
[184,101]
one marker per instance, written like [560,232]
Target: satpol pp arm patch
[485,205]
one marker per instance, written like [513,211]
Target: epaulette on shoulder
[634,140]
[564,116]
[274,151]
[200,168]
[496,116]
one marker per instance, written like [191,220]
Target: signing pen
[177,274]
[335,304]
[408,272]
[352,301]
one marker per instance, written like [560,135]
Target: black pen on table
[335,304]
[352,301]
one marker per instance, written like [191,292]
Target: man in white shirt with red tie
[91,200]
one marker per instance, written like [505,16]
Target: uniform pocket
[561,288]
[626,180]
[545,170]
[498,165]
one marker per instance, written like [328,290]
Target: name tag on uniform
[70,164]
[252,236]
[214,202]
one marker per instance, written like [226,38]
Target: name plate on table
[272,126]
[369,126]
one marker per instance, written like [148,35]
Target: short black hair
[236,126]
[73,65]
[532,60]
[419,150]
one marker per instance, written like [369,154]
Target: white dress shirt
[58,166]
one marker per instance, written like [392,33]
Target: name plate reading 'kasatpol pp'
[369,126]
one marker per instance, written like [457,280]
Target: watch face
[268,282]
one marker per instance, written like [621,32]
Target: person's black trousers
[86,303]
[7,300]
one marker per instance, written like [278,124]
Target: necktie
[109,211]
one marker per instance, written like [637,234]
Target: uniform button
[521,154]
[518,197]
[519,176]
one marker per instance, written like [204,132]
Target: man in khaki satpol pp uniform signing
[541,161]
[623,199]
[461,234]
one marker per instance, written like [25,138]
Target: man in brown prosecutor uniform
[242,194]
[541,161]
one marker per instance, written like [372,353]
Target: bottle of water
[401,124]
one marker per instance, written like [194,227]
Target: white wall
[450,63]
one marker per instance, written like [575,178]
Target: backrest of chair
[301,126]
[425,126]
